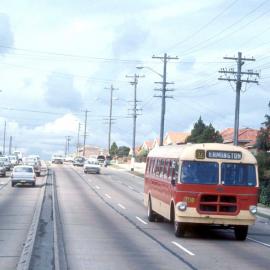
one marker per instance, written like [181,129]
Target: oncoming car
[91,166]
[23,174]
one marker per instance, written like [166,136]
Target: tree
[263,139]
[202,133]
[114,149]
[123,151]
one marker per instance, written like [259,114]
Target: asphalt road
[104,226]
[17,206]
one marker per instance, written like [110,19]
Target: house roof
[245,135]
[177,137]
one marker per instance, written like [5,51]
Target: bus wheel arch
[179,227]
[172,212]
[150,212]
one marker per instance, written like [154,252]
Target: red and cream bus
[202,183]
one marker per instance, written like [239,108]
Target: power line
[237,78]
[164,89]
[204,26]
[134,115]
[203,44]
[112,89]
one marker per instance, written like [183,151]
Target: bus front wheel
[150,212]
[179,229]
[241,232]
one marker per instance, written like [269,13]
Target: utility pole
[10,145]
[110,116]
[134,115]
[237,78]
[85,127]
[68,138]
[164,89]
[4,140]
[78,138]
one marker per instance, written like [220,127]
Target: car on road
[91,166]
[34,162]
[79,161]
[57,159]
[2,169]
[13,160]
[6,162]
[23,174]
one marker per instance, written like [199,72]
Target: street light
[142,67]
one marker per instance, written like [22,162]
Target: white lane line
[184,249]
[142,221]
[97,187]
[108,196]
[121,206]
[130,187]
[259,242]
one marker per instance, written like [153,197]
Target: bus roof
[212,151]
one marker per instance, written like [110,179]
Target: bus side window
[157,167]
[161,171]
[175,170]
[166,169]
[170,171]
[153,166]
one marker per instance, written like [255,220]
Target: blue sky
[57,58]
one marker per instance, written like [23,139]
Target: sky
[59,58]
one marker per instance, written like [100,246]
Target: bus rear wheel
[150,212]
[241,232]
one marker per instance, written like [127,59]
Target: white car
[91,166]
[6,162]
[23,174]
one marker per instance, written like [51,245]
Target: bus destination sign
[224,155]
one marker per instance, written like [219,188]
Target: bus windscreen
[235,174]
[198,172]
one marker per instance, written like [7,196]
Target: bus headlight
[253,209]
[182,206]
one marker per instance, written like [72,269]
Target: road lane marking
[97,187]
[184,249]
[259,242]
[121,206]
[130,187]
[108,196]
[142,221]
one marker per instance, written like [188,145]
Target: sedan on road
[23,174]
[2,169]
[91,166]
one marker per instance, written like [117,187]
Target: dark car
[78,161]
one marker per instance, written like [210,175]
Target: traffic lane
[260,232]
[126,178]
[217,237]
[17,206]
[98,236]
[4,180]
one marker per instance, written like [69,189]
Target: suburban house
[246,137]
[92,151]
[175,137]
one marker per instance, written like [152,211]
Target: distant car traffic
[6,162]
[79,161]
[23,174]
[57,159]
[2,169]
[13,160]
[91,166]
[101,160]
[34,162]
